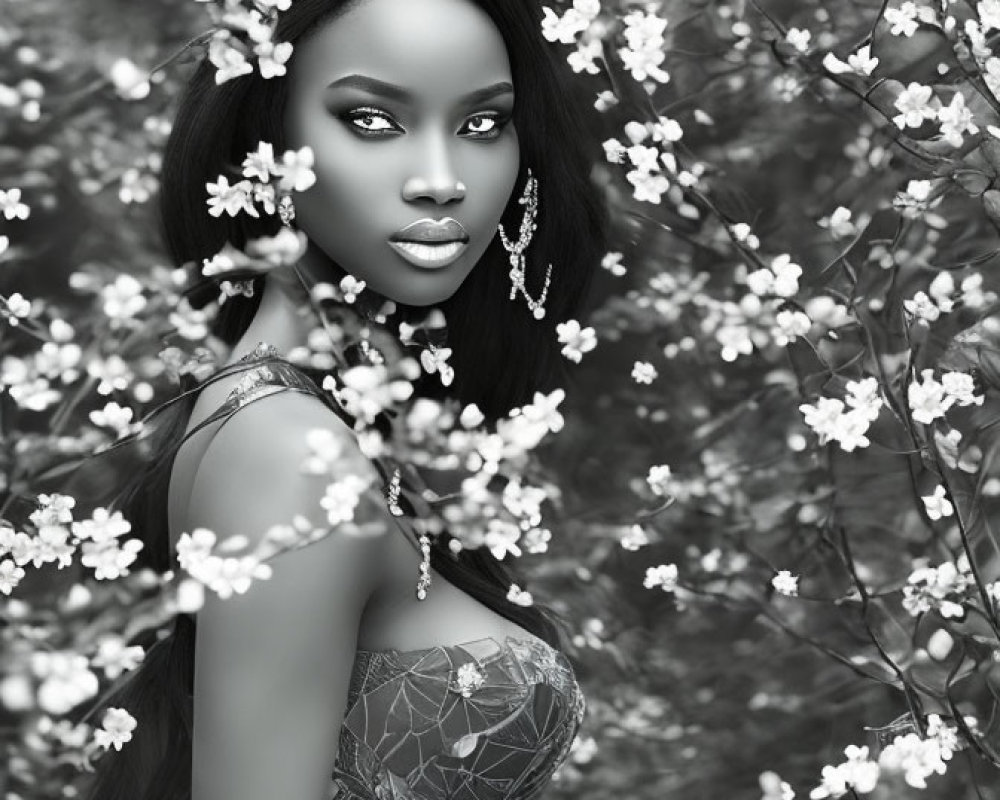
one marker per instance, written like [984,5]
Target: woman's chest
[395,619]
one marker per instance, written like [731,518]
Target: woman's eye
[370,121]
[484,125]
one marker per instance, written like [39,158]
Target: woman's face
[407,106]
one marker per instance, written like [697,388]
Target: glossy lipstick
[429,243]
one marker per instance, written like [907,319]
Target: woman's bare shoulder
[251,475]
[283,651]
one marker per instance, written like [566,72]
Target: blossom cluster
[505,523]
[573,22]
[846,421]
[859,773]
[929,398]
[916,758]
[55,537]
[259,169]
[943,589]
[652,164]
[224,575]
[644,48]
[246,32]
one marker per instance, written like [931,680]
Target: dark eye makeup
[373,123]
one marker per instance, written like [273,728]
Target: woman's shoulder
[251,473]
[275,435]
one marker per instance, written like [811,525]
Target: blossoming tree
[776,469]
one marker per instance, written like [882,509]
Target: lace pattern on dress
[484,720]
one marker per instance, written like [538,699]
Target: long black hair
[500,353]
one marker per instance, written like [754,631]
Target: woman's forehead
[441,47]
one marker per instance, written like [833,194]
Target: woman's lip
[429,256]
[432,230]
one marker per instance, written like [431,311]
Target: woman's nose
[440,190]
[436,180]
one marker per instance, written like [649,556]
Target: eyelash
[366,111]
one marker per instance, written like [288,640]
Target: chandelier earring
[515,250]
[286,210]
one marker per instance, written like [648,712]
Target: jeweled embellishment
[393,497]
[468,679]
[254,377]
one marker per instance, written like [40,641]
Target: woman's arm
[272,666]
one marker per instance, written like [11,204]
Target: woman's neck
[283,319]
[286,316]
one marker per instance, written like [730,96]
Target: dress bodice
[483,720]
[480,720]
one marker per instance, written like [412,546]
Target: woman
[430,122]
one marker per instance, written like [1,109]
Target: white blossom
[918,758]
[612,262]
[113,416]
[956,118]
[634,538]
[937,504]
[903,20]
[260,163]
[130,82]
[790,324]
[296,170]
[271,58]
[663,576]
[645,49]
[584,58]
[342,498]
[231,200]
[65,680]
[11,205]
[915,106]
[942,588]
[102,526]
[927,398]
[115,658]
[921,307]
[989,14]
[858,772]
[10,575]
[861,63]
[961,388]
[781,279]
[799,39]
[644,372]
[518,596]
[110,559]
[228,61]
[117,726]
[785,583]
[18,307]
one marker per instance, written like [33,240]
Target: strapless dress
[480,720]
[483,720]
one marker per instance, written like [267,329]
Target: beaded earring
[515,250]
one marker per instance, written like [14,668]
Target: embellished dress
[480,720]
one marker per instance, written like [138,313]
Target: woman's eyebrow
[398,93]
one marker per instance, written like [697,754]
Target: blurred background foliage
[705,690]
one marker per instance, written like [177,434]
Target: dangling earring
[392,500]
[516,249]
[286,210]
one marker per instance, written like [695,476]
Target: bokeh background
[754,586]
